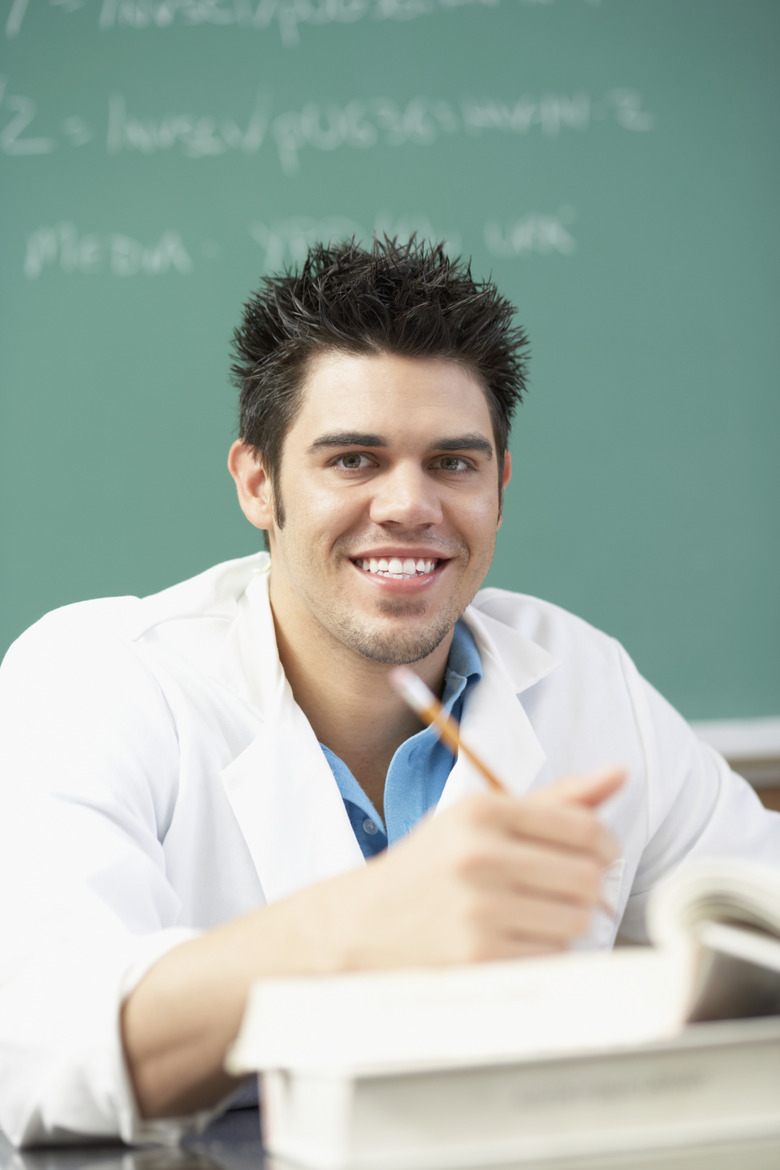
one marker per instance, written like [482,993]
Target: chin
[399,648]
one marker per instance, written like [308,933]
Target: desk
[233,1143]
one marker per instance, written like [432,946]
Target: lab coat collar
[522,662]
[281,788]
[494,722]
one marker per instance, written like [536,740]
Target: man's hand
[492,877]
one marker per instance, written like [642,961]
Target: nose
[406,495]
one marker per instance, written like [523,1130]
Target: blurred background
[613,165]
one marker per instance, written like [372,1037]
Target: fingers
[522,865]
[554,822]
[567,827]
[581,795]
[491,877]
[544,922]
[589,790]
[535,864]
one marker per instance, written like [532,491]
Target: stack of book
[587,1055]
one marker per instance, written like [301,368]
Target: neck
[351,706]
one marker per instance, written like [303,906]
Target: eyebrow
[469,442]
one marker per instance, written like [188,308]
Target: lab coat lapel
[280,787]
[494,721]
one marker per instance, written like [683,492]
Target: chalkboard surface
[614,165]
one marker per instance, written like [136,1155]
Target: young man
[199,787]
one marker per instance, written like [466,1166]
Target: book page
[737,974]
[736,892]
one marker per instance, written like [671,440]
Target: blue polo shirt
[419,769]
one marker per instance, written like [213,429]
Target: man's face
[390,482]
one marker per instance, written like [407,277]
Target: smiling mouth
[400,569]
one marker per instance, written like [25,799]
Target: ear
[506,475]
[253,484]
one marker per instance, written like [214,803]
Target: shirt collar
[464,665]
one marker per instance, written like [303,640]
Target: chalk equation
[63,247]
[288,16]
[324,127]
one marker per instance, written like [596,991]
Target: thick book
[581,1055]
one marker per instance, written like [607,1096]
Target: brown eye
[452,463]
[352,461]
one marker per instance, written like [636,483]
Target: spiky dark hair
[397,298]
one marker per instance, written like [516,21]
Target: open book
[716,927]
[521,1060]
[726,916]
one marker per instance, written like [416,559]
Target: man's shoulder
[210,596]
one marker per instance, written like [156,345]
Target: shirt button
[369,826]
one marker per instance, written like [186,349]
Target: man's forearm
[179,1021]
[491,878]
[176,1026]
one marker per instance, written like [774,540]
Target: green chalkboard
[614,165]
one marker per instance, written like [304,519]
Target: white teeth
[395,567]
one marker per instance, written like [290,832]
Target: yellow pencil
[413,690]
[423,701]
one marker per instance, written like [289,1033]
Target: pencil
[422,701]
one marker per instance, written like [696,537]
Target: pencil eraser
[410,687]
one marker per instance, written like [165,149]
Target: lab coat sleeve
[88,777]
[695,806]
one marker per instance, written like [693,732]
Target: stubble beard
[398,647]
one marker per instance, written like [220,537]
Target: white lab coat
[157,778]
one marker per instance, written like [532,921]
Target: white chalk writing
[422,121]
[18,113]
[197,136]
[63,246]
[286,241]
[289,16]
[550,112]
[255,15]
[15,17]
[531,233]
[628,111]
[360,124]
